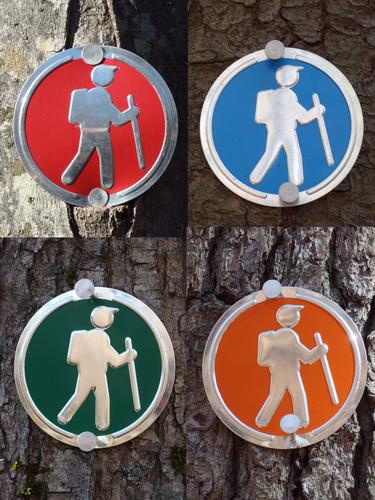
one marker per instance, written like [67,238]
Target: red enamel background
[53,141]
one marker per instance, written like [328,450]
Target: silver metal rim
[260,197]
[268,440]
[161,88]
[166,382]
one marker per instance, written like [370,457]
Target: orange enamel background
[244,385]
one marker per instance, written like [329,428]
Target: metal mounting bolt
[290,423]
[92,54]
[274,49]
[86,441]
[84,288]
[288,192]
[98,198]
[272,289]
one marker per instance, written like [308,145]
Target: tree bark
[342,31]
[32,271]
[223,266]
[31,31]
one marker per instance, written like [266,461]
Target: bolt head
[84,288]
[86,441]
[290,423]
[92,54]
[272,289]
[274,49]
[288,192]
[98,198]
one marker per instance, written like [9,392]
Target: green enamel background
[51,380]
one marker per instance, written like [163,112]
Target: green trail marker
[94,367]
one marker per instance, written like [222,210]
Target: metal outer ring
[136,62]
[166,382]
[260,197]
[269,440]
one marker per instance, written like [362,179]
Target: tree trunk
[342,31]
[31,31]
[32,271]
[223,266]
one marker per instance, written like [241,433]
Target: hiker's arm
[307,116]
[116,360]
[121,117]
[309,356]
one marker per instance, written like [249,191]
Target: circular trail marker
[281,126]
[93,372]
[294,364]
[95,126]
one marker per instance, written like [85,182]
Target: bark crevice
[73,16]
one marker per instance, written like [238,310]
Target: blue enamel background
[240,142]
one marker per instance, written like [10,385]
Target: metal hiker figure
[282,352]
[94,112]
[280,111]
[92,352]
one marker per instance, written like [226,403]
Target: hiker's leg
[102,405]
[277,390]
[294,156]
[265,163]
[80,394]
[74,169]
[299,399]
[105,153]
